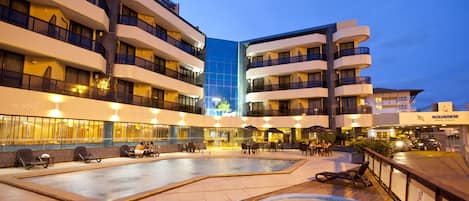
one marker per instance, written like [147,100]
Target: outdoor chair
[254,148]
[82,154]
[125,152]
[303,148]
[355,175]
[244,148]
[201,146]
[26,158]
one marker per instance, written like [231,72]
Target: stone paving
[221,188]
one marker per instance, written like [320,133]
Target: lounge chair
[26,158]
[125,152]
[82,154]
[355,175]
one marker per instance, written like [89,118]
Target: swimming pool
[121,181]
[306,197]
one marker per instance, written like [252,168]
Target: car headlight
[420,144]
[399,143]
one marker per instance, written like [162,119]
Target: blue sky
[420,44]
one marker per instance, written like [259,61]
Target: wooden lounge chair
[125,152]
[82,154]
[355,175]
[26,158]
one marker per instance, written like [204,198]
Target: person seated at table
[312,148]
[139,149]
[191,147]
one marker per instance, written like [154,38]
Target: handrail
[290,112]
[353,80]
[286,86]
[50,30]
[361,109]
[149,65]
[37,83]
[287,60]
[440,189]
[156,31]
[352,51]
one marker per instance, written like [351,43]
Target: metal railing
[50,30]
[352,51]
[159,33]
[295,59]
[290,112]
[149,65]
[361,109]
[404,183]
[286,86]
[353,80]
[168,4]
[37,83]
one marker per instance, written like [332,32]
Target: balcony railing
[353,80]
[159,33]
[50,30]
[350,52]
[291,112]
[291,85]
[149,65]
[37,83]
[168,4]
[102,4]
[399,180]
[295,59]
[361,109]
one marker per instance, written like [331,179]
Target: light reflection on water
[117,182]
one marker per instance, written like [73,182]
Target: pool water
[117,182]
[306,197]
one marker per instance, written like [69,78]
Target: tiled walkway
[222,188]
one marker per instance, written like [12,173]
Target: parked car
[427,144]
[400,144]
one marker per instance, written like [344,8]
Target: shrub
[379,146]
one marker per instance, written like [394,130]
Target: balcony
[361,109]
[357,33]
[149,65]
[352,58]
[292,85]
[291,112]
[36,83]
[305,63]
[27,35]
[157,32]
[353,80]
[354,86]
[309,40]
[281,94]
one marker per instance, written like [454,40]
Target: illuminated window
[378,100]
[379,107]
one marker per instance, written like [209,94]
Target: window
[284,57]
[349,104]
[160,65]
[258,84]
[378,100]
[284,106]
[125,90]
[77,76]
[188,75]
[157,96]
[12,68]
[126,11]
[126,53]
[186,100]
[80,35]
[284,82]
[402,107]
[402,98]
[257,61]
[257,106]
[346,46]
[316,105]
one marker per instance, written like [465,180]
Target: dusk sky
[418,44]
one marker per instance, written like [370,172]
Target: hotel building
[102,73]
[392,100]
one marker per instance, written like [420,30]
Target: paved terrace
[220,188]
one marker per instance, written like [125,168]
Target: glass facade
[221,77]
